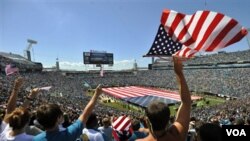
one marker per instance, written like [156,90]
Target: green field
[123,106]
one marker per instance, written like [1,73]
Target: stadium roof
[16,58]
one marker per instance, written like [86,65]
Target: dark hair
[210,132]
[135,124]
[123,135]
[47,115]
[18,118]
[248,120]
[92,121]
[106,122]
[239,121]
[158,114]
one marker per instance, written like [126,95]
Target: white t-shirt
[5,135]
[3,126]
[93,135]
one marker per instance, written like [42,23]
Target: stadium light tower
[27,51]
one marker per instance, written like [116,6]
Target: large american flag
[202,31]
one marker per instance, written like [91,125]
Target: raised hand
[98,90]
[18,83]
[33,93]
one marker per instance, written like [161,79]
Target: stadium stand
[68,88]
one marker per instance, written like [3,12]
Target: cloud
[79,66]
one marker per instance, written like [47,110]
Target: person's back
[106,129]
[91,129]
[158,113]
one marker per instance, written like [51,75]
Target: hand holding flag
[11,69]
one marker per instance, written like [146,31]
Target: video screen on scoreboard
[97,58]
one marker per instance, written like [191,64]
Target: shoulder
[100,128]
[25,137]
[175,128]
[78,124]
[39,137]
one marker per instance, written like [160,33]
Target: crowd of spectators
[221,57]
[69,92]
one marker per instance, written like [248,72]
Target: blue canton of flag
[163,44]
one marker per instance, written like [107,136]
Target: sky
[67,28]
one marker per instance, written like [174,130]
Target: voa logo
[236,132]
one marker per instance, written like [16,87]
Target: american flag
[202,31]
[163,44]
[11,69]
[121,123]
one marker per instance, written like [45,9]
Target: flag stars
[164,44]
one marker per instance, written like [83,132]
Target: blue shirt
[70,134]
[137,135]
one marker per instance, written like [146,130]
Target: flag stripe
[197,28]
[236,38]
[122,123]
[177,20]
[222,34]
[183,36]
[215,19]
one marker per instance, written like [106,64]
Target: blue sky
[67,28]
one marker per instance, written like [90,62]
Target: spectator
[91,129]
[106,129]
[17,119]
[135,124]
[158,113]
[209,132]
[49,116]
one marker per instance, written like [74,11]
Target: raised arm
[11,105]
[183,114]
[30,98]
[90,106]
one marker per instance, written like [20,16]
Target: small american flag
[122,123]
[101,72]
[202,31]
[163,44]
[11,69]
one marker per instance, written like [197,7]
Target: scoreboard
[98,58]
